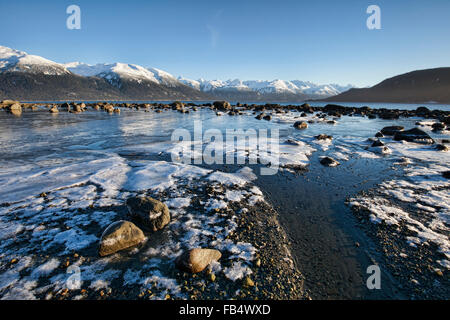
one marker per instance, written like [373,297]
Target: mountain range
[421,86]
[29,77]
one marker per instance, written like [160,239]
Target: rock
[294,142]
[77,108]
[300,125]
[377,143]
[268,117]
[441,147]
[222,105]
[118,236]
[414,135]
[259,116]
[177,105]
[389,115]
[331,121]
[15,109]
[392,130]
[116,110]
[379,135]
[248,282]
[329,162]
[381,150]
[54,109]
[323,137]
[446,174]
[196,260]
[438,126]
[66,106]
[8,103]
[153,214]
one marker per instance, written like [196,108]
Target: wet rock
[329,162]
[391,130]
[118,236]
[77,108]
[259,116]
[300,125]
[381,150]
[441,147]
[66,106]
[117,110]
[196,260]
[379,135]
[54,109]
[377,143]
[389,115]
[324,137]
[446,174]
[153,214]
[268,117]
[15,109]
[414,135]
[331,121]
[177,105]
[222,105]
[438,126]
[294,142]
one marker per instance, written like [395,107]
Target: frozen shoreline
[87,179]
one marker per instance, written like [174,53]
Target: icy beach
[66,176]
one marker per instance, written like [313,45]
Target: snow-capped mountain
[115,71]
[294,87]
[134,82]
[18,61]
[29,77]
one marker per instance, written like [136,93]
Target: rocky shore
[264,111]
[156,230]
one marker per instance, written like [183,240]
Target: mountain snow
[122,70]
[14,60]
[264,87]
[19,61]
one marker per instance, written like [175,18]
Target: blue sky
[321,41]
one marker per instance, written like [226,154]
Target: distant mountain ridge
[421,86]
[262,90]
[28,77]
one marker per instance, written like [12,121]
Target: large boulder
[391,130]
[196,260]
[414,135]
[151,213]
[118,236]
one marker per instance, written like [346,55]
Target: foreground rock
[414,135]
[329,162]
[153,214]
[196,260]
[118,236]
